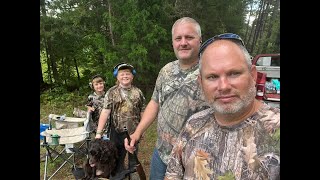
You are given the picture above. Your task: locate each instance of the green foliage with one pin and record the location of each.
(59, 96)
(79, 35)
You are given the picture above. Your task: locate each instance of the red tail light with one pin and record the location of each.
(260, 84)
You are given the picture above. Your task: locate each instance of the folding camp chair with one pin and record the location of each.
(67, 133)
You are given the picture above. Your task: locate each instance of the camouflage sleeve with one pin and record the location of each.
(266, 163)
(107, 103)
(270, 163)
(156, 91)
(175, 169)
(264, 166)
(143, 102)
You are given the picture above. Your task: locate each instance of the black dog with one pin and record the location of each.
(102, 160)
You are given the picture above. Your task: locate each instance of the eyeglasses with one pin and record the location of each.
(220, 36)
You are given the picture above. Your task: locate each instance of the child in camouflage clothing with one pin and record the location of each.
(94, 102)
(125, 104)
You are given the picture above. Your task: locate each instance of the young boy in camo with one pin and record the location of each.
(96, 99)
(125, 104)
(94, 102)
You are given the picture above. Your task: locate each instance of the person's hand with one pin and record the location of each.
(98, 136)
(90, 109)
(130, 147)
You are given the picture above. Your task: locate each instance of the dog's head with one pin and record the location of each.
(103, 155)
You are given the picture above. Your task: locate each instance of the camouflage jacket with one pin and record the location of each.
(246, 151)
(96, 102)
(179, 96)
(126, 105)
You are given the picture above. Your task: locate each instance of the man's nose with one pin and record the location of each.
(223, 83)
(183, 41)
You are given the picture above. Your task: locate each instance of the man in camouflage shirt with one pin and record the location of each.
(239, 136)
(176, 95)
(125, 104)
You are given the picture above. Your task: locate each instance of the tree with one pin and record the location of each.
(81, 38)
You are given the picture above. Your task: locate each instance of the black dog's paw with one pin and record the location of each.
(88, 171)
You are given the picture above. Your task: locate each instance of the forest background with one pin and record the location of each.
(81, 38)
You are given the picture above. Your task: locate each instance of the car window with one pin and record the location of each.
(268, 61)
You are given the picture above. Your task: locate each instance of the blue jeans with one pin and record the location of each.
(157, 167)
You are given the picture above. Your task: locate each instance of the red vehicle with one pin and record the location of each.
(268, 81)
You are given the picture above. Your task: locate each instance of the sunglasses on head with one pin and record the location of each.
(220, 36)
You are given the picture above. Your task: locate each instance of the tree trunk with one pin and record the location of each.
(41, 76)
(110, 24)
(48, 61)
(258, 26)
(248, 22)
(272, 19)
(78, 74)
(264, 18)
(54, 66)
(64, 71)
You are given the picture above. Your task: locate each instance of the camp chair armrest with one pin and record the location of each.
(68, 119)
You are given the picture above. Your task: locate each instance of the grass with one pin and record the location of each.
(57, 103)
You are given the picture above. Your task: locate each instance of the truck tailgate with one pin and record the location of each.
(271, 71)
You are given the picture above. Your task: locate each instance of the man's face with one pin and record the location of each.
(125, 77)
(186, 42)
(227, 82)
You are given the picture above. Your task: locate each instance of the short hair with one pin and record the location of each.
(96, 79)
(187, 20)
(245, 52)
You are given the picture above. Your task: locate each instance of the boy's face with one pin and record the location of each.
(125, 77)
(98, 86)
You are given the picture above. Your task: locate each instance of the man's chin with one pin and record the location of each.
(184, 56)
(126, 83)
(225, 108)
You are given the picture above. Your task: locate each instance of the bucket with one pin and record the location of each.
(55, 139)
(43, 127)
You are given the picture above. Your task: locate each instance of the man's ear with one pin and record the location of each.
(199, 80)
(253, 72)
